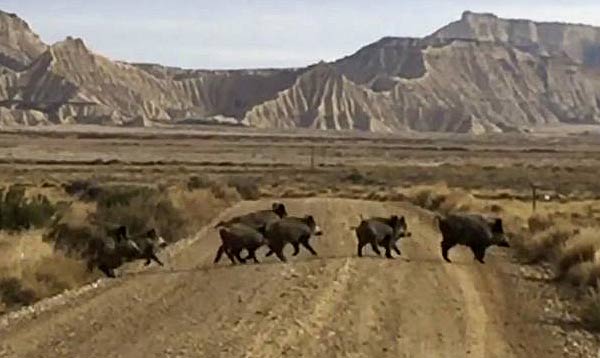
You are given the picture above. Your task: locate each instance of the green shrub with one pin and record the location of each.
(116, 195)
(590, 314)
(200, 182)
(247, 187)
(358, 178)
(17, 212)
(429, 200)
(139, 208)
(85, 189)
(14, 295)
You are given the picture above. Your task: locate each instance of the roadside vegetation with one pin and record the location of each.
(43, 237)
(561, 235)
(44, 228)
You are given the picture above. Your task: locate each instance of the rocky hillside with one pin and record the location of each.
(321, 98)
(19, 46)
(479, 74)
(580, 43)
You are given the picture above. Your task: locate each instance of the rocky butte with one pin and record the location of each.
(479, 74)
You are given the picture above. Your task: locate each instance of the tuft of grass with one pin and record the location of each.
(546, 245)
(31, 270)
(139, 208)
(199, 207)
(428, 199)
(85, 189)
(39, 264)
(247, 187)
(14, 295)
(539, 222)
(590, 313)
(200, 182)
(55, 274)
(581, 248)
(19, 212)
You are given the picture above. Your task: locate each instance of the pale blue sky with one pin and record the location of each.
(267, 33)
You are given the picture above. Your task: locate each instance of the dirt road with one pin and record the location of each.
(336, 305)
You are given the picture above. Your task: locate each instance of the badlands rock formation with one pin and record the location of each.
(477, 75)
(19, 46)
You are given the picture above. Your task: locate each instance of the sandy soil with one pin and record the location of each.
(335, 305)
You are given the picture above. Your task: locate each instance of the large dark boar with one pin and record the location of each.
(108, 253)
(149, 244)
(237, 237)
(472, 230)
(258, 219)
(383, 232)
(294, 230)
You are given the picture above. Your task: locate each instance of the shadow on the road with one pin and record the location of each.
(429, 260)
(225, 266)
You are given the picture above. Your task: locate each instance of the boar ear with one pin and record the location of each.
(122, 232)
(497, 225)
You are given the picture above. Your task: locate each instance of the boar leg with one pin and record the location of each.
(305, 243)
(446, 246)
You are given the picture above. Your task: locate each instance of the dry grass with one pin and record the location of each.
(545, 244)
(199, 206)
(590, 313)
(30, 270)
(488, 175)
(581, 248)
(538, 222)
(38, 264)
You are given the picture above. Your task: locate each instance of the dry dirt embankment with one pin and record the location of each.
(333, 305)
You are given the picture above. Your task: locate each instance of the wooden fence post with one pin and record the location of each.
(533, 197)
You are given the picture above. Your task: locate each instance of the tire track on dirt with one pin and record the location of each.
(334, 305)
(101, 302)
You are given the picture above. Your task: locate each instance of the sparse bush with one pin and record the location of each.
(580, 274)
(428, 199)
(590, 314)
(70, 238)
(225, 192)
(41, 273)
(547, 244)
(455, 201)
(495, 208)
(83, 188)
(139, 208)
(200, 182)
(580, 248)
(116, 195)
(539, 222)
(18, 212)
(355, 177)
(199, 207)
(14, 295)
(55, 274)
(358, 178)
(174, 213)
(247, 187)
